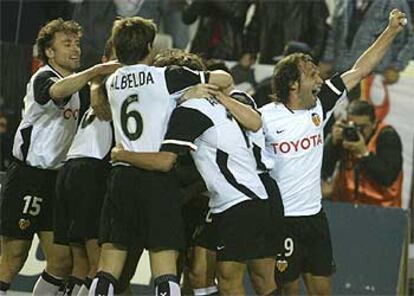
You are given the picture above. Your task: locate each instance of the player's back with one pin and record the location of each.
(141, 106)
(224, 159)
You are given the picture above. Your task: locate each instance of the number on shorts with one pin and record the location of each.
(289, 247)
(32, 205)
(209, 217)
(134, 115)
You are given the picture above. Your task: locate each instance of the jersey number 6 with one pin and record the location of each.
(131, 115)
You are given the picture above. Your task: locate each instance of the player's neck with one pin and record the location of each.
(146, 61)
(294, 102)
(62, 71)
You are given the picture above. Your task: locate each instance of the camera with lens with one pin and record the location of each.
(350, 132)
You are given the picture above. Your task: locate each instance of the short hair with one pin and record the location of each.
(287, 71)
(361, 108)
(131, 38)
(178, 57)
(46, 34)
(214, 64)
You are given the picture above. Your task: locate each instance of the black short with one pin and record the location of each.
(243, 232)
(205, 235)
(308, 248)
(142, 209)
(277, 210)
(80, 191)
(193, 216)
(26, 203)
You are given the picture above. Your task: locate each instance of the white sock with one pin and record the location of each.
(206, 291)
(2, 293)
(167, 285)
(103, 284)
(83, 291)
(47, 285)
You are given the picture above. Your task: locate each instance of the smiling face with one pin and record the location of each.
(310, 85)
(64, 52)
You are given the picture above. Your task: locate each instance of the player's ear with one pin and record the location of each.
(294, 86)
(49, 53)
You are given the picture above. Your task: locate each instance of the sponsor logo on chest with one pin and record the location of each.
(302, 144)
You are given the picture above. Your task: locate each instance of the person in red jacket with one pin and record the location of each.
(369, 153)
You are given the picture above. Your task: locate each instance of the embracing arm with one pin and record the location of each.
(73, 83)
(153, 161)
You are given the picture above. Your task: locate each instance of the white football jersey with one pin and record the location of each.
(295, 140)
(142, 98)
(94, 138)
(47, 129)
(264, 161)
(221, 152)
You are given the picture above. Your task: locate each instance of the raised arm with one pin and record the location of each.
(73, 83)
(373, 55)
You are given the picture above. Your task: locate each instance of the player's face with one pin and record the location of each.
(310, 85)
(66, 51)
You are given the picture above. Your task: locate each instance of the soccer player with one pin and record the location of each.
(41, 142)
(293, 127)
(239, 203)
(203, 266)
(80, 189)
(142, 209)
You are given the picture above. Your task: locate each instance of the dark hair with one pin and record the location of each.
(109, 49)
(178, 57)
(131, 37)
(214, 64)
(287, 71)
(361, 108)
(47, 32)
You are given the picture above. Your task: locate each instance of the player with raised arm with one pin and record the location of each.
(293, 127)
(142, 209)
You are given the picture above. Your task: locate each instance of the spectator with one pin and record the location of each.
(220, 31)
(165, 13)
(243, 73)
(96, 19)
(275, 23)
(355, 26)
(370, 159)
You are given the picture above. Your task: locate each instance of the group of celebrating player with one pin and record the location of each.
(164, 120)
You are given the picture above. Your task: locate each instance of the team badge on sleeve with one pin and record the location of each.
(316, 119)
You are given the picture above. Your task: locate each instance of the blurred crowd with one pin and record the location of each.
(333, 32)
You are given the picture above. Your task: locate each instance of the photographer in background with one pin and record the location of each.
(370, 159)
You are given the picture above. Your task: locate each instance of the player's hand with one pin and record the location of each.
(357, 148)
(208, 91)
(391, 75)
(106, 68)
(337, 130)
(397, 20)
(116, 152)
